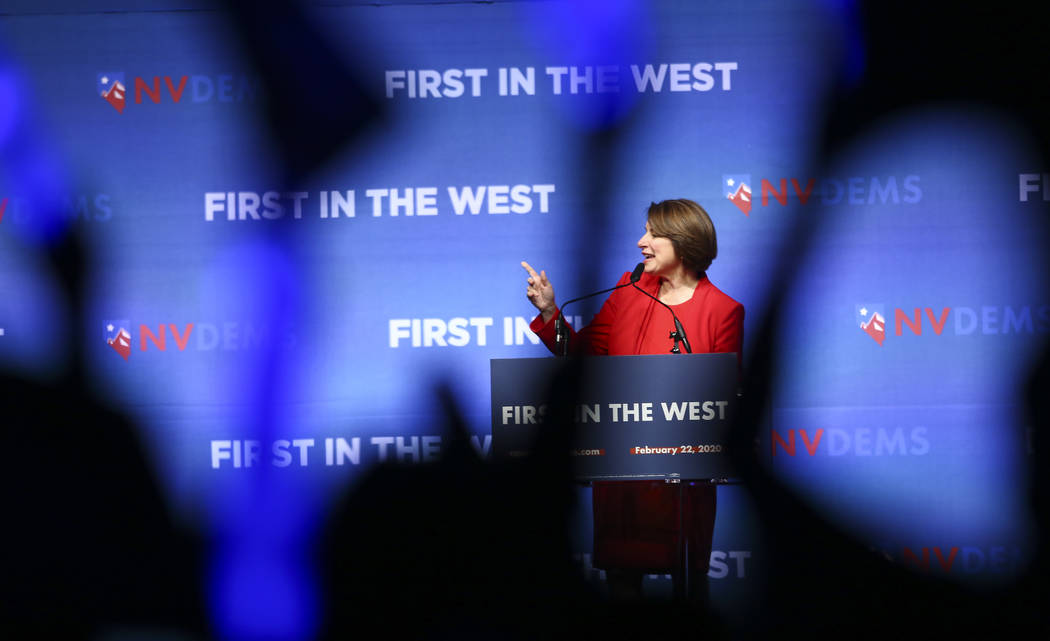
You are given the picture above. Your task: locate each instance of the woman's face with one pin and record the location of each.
(660, 257)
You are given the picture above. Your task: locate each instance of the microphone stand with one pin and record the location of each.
(681, 583)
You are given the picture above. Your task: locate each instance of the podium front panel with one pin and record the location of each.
(634, 417)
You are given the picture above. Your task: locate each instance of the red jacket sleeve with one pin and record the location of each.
(592, 339)
(729, 333)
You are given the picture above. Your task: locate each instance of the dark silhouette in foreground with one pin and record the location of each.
(465, 548)
(88, 543)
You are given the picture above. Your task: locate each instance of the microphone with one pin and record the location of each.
(679, 332)
(561, 334)
(636, 275)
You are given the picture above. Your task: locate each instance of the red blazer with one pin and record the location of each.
(632, 323)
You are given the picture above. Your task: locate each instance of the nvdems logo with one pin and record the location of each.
(986, 320)
(737, 188)
(850, 441)
(79, 207)
(197, 336)
(849, 190)
(175, 89)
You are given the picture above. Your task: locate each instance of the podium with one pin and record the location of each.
(645, 417)
(635, 417)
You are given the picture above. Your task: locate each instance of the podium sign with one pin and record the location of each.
(636, 417)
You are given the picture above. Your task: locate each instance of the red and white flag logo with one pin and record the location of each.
(737, 188)
(119, 339)
(872, 321)
(111, 86)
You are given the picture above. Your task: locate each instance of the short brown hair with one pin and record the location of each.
(690, 230)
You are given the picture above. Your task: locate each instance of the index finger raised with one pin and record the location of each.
(528, 268)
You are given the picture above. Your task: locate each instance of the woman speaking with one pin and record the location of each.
(635, 522)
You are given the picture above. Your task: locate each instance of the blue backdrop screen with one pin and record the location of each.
(251, 323)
